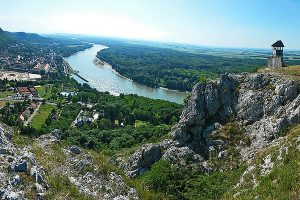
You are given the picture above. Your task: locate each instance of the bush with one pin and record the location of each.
(178, 183)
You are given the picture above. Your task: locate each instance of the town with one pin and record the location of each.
(33, 54)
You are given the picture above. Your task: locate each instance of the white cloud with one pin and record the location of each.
(94, 24)
(98, 24)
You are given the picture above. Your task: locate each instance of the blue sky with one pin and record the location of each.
(224, 23)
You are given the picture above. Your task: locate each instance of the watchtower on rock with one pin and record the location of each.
(276, 60)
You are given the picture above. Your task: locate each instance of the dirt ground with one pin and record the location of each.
(19, 76)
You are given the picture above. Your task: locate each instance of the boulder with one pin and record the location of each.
(142, 159)
(16, 180)
(181, 156)
(21, 166)
(250, 106)
(56, 133)
(36, 175)
(13, 196)
(10, 159)
(75, 149)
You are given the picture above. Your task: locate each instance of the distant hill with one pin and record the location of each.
(29, 37)
(35, 42)
(15, 37)
(5, 37)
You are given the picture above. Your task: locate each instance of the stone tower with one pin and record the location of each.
(276, 60)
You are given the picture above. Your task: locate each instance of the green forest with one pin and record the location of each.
(162, 67)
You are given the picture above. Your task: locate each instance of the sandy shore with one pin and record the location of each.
(101, 64)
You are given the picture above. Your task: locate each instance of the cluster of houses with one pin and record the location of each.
(67, 94)
(27, 92)
(41, 69)
(85, 117)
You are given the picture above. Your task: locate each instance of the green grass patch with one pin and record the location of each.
(5, 94)
(40, 117)
(139, 124)
(62, 188)
(44, 91)
(20, 140)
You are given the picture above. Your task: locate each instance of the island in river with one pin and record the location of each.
(101, 76)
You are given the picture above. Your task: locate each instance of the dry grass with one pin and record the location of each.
(293, 71)
(2, 103)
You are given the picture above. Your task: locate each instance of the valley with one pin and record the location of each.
(121, 135)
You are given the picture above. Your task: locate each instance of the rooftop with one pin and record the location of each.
(23, 90)
(278, 44)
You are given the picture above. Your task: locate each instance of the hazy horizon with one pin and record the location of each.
(214, 23)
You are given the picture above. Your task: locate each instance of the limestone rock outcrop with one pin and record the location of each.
(262, 104)
(140, 161)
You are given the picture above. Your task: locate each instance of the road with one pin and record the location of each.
(16, 98)
(33, 114)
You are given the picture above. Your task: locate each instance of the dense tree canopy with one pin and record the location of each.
(162, 67)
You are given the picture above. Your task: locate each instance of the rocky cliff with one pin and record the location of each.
(246, 112)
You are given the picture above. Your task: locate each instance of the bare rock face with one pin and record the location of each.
(182, 156)
(92, 183)
(263, 105)
(142, 159)
(75, 149)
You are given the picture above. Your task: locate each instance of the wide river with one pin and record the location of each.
(104, 78)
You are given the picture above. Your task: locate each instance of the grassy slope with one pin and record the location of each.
(283, 180)
(293, 71)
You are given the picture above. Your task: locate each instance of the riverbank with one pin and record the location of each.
(101, 64)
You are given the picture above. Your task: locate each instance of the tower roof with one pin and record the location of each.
(278, 44)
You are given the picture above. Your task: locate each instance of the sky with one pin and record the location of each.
(221, 23)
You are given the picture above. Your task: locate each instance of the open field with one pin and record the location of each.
(39, 119)
(44, 91)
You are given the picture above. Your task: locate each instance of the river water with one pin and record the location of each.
(104, 78)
